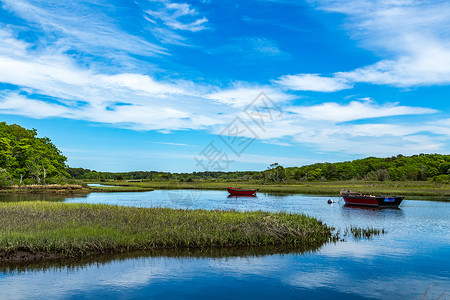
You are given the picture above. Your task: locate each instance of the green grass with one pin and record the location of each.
(115, 189)
(45, 188)
(74, 230)
(403, 188)
(359, 232)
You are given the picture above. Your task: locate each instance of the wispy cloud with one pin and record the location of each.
(178, 16)
(261, 45)
(242, 94)
(312, 82)
(141, 102)
(250, 48)
(76, 25)
(356, 110)
(412, 35)
(50, 82)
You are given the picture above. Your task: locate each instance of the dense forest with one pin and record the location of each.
(434, 167)
(26, 158)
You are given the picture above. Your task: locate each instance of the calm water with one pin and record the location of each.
(411, 261)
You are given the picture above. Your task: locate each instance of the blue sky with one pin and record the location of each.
(159, 85)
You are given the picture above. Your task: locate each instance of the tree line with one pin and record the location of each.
(395, 168)
(434, 167)
(26, 158)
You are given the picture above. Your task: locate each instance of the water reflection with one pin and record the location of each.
(17, 197)
(241, 197)
(310, 275)
(99, 260)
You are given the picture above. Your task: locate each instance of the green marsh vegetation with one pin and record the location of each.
(355, 232)
(359, 232)
(44, 230)
(116, 189)
(45, 189)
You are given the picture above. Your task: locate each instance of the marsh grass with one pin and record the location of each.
(115, 189)
(359, 232)
(74, 230)
(45, 188)
(402, 188)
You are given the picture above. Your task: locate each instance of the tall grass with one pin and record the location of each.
(71, 230)
(45, 188)
(115, 189)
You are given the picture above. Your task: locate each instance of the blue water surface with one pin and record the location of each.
(410, 261)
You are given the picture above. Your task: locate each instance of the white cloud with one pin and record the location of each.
(412, 36)
(49, 83)
(356, 110)
(248, 48)
(261, 45)
(16, 104)
(78, 26)
(313, 82)
(174, 16)
(242, 94)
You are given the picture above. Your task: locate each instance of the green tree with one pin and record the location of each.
(24, 155)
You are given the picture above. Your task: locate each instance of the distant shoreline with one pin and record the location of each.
(46, 188)
(329, 188)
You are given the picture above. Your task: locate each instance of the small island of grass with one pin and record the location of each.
(46, 230)
(119, 188)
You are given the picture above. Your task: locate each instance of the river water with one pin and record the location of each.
(410, 261)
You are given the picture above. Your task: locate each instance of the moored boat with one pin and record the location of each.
(352, 198)
(241, 192)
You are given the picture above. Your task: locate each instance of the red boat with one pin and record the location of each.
(352, 198)
(241, 192)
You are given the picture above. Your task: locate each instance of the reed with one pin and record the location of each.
(359, 232)
(45, 188)
(50, 229)
(115, 189)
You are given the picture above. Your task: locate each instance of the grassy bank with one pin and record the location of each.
(116, 189)
(405, 188)
(44, 230)
(45, 188)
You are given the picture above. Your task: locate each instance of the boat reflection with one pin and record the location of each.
(369, 208)
(241, 196)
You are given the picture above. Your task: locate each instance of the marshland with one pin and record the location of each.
(52, 229)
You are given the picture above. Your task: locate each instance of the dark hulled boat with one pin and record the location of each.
(352, 198)
(241, 192)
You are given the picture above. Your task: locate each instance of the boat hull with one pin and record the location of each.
(240, 192)
(379, 201)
